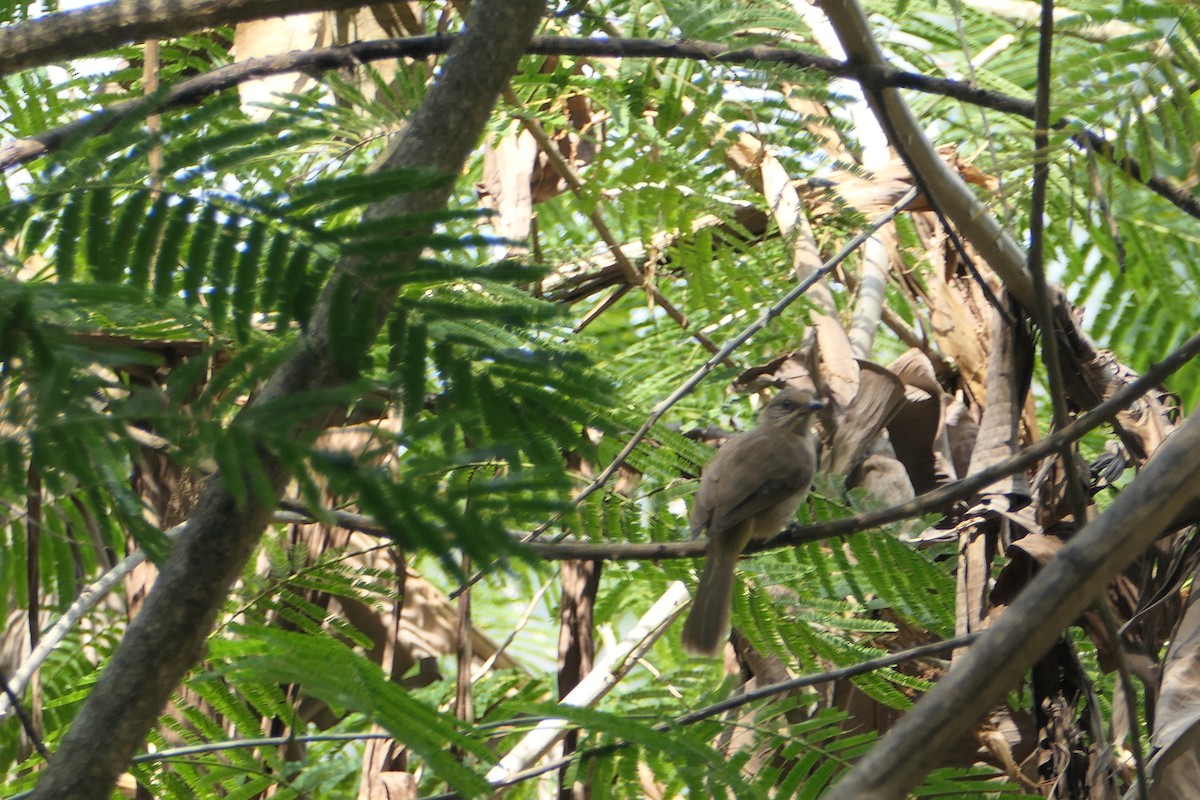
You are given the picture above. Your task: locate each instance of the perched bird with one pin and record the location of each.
(750, 490)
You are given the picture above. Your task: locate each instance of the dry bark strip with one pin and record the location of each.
(169, 635)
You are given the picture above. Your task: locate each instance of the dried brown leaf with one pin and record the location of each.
(506, 186)
(880, 395)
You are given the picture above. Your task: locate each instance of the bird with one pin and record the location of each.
(750, 489)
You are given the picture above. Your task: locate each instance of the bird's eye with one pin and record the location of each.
(787, 405)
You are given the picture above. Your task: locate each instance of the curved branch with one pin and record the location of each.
(191, 91)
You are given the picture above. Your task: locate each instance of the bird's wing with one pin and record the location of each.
(701, 516)
(757, 472)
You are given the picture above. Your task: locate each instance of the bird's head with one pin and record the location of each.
(792, 409)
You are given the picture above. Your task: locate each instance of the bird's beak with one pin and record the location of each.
(815, 405)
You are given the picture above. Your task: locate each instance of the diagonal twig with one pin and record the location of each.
(926, 503)
(633, 275)
(737, 341)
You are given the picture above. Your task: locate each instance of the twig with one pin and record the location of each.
(613, 664)
(708, 366)
(799, 534)
(737, 341)
(26, 722)
(633, 275)
(794, 534)
(1035, 260)
(84, 603)
(1129, 693)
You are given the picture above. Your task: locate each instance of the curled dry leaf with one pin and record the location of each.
(917, 430)
(1174, 767)
(880, 395)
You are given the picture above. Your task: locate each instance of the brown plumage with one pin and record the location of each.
(750, 490)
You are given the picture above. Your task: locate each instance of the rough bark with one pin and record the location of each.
(168, 637)
(57, 38)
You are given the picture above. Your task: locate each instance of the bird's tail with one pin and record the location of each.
(707, 625)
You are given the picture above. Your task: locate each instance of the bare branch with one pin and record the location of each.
(1063, 590)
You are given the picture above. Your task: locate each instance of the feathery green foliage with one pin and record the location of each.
(140, 312)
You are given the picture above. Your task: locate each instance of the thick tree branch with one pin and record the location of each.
(1063, 590)
(1084, 567)
(56, 38)
(168, 636)
(1088, 377)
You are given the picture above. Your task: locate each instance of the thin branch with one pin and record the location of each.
(614, 663)
(1045, 319)
(839, 674)
(246, 744)
(633, 275)
(83, 603)
(295, 511)
(926, 503)
(731, 703)
(193, 90)
(708, 366)
(1035, 260)
(1128, 694)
